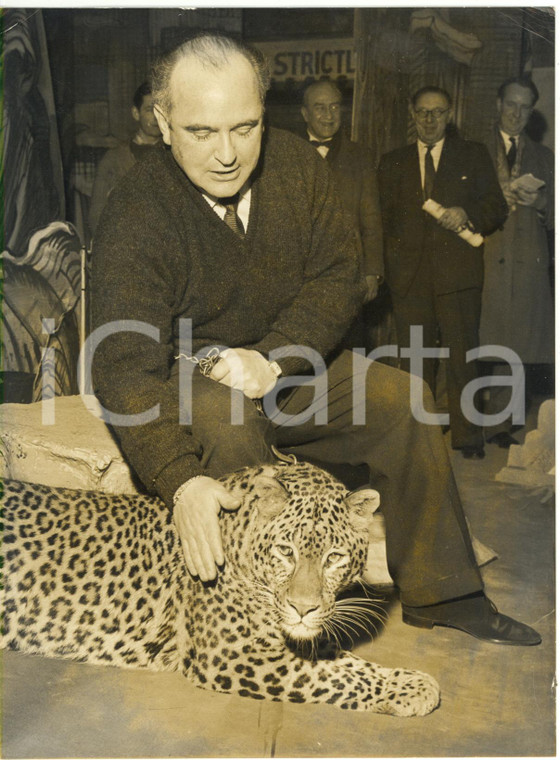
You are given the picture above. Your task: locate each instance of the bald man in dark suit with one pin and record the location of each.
(355, 177)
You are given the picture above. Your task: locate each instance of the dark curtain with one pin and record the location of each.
(468, 51)
(31, 165)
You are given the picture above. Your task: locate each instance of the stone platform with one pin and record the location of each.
(77, 451)
(532, 464)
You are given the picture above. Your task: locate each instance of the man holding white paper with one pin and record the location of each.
(517, 306)
(434, 274)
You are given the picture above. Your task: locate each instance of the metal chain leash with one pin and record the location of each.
(205, 363)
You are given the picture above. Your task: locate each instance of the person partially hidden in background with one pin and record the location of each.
(117, 161)
(517, 303)
(355, 179)
(435, 276)
(230, 248)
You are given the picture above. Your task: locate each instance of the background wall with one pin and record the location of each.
(378, 56)
(69, 76)
(467, 51)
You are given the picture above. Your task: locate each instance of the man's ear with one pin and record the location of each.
(135, 113)
(305, 114)
(163, 124)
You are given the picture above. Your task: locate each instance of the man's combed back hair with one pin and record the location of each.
(429, 90)
(140, 94)
(210, 49)
(522, 81)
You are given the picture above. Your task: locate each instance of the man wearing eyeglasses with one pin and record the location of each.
(354, 172)
(435, 276)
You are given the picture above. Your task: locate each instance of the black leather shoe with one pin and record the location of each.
(475, 615)
(472, 452)
(503, 439)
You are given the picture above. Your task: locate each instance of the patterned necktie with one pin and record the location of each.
(231, 218)
(429, 173)
(512, 153)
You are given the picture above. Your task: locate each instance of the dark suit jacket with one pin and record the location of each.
(466, 178)
(356, 183)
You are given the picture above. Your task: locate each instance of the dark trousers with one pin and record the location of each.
(450, 320)
(428, 545)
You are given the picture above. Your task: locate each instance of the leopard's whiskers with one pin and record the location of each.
(358, 604)
(330, 627)
(352, 624)
(366, 622)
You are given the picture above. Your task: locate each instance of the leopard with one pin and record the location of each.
(100, 578)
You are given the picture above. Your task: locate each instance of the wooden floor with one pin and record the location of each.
(496, 701)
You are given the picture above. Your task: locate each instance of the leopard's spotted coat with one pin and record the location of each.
(101, 578)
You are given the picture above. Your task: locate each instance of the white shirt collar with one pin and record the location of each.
(436, 154)
(436, 148)
(322, 150)
(319, 139)
(507, 140)
(243, 205)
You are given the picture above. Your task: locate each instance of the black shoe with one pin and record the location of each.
(475, 615)
(503, 439)
(472, 452)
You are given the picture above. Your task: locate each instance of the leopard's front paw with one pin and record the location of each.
(407, 693)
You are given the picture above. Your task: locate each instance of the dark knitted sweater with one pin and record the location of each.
(162, 254)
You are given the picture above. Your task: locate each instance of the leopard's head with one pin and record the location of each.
(304, 538)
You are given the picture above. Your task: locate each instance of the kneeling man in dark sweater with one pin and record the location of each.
(229, 249)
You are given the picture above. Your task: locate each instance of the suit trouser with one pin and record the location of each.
(428, 544)
(501, 397)
(452, 320)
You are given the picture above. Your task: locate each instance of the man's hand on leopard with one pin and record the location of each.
(196, 518)
(245, 370)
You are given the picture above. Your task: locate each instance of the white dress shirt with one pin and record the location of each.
(243, 206)
(507, 140)
(322, 150)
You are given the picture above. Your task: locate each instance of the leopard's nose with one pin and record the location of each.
(302, 606)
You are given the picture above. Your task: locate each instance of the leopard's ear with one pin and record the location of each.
(362, 505)
(272, 495)
(260, 487)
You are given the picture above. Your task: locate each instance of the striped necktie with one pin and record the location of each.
(231, 218)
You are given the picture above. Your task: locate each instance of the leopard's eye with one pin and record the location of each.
(333, 558)
(285, 550)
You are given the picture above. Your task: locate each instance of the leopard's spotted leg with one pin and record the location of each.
(348, 681)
